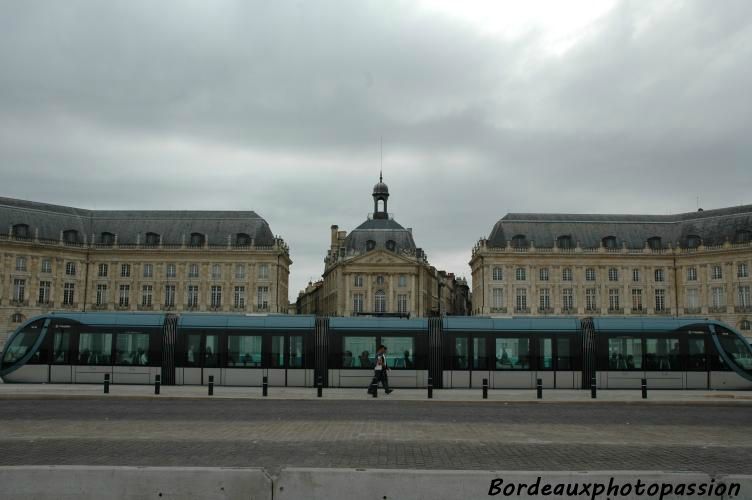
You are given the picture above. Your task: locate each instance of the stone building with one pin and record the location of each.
(377, 269)
(691, 264)
(61, 258)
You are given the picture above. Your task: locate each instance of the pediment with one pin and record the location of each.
(380, 257)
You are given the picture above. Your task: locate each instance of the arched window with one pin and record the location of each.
(564, 242)
(693, 241)
(242, 240)
(519, 241)
(498, 274)
(70, 236)
(21, 231)
(391, 245)
(106, 238)
(197, 240)
(17, 318)
(152, 239)
(370, 245)
(743, 236)
(609, 242)
(745, 325)
(380, 302)
(655, 243)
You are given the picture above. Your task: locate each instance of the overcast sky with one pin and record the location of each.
(484, 108)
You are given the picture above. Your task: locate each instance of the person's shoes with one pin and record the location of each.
(388, 391)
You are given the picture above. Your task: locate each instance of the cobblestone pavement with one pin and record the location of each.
(386, 434)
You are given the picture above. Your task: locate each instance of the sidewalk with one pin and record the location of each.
(561, 396)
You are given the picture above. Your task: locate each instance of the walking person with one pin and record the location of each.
(380, 372)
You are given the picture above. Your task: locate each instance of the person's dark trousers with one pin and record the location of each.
(379, 376)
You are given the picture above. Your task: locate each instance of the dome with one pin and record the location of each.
(380, 188)
(384, 234)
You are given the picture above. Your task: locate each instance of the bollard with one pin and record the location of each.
(485, 388)
(157, 383)
(319, 387)
(592, 388)
(211, 385)
(644, 388)
(265, 386)
(430, 388)
(539, 387)
(106, 383)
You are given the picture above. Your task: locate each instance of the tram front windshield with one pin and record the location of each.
(21, 343)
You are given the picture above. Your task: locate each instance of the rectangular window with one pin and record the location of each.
(613, 274)
(44, 292)
(70, 268)
(635, 275)
(46, 266)
(498, 274)
(192, 295)
(101, 298)
(521, 303)
(244, 350)
(402, 282)
(132, 348)
(613, 299)
(358, 352)
(512, 353)
(169, 296)
(262, 298)
(125, 270)
(660, 300)
(68, 293)
(624, 353)
(544, 299)
(498, 298)
(741, 270)
(480, 360)
(691, 274)
(460, 359)
(693, 298)
(543, 274)
(662, 354)
(240, 271)
(660, 275)
(566, 274)
(744, 296)
(696, 359)
(263, 271)
(216, 296)
(278, 351)
(590, 302)
(295, 355)
(193, 271)
(148, 270)
(400, 352)
(61, 348)
(568, 299)
(589, 274)
(211, 351)
(402, 303)
(520, 274)
(102, 270)
(719, 298)
(20, 263)
(146, 295)
(124, 299)
(637, 299)
(95, 349)
(171, 270)
(563, 354)
(545, 354)
(238, 300)
(358, 302)
(358, 280)
(717, 272)
(216, 271)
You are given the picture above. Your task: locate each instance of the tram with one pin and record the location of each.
(453, 352)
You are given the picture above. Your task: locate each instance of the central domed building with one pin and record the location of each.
(377, 269)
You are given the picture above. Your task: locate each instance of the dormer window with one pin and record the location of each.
(519, 241)
(391, 245)
(370, 245)
(743, 236)
(21, 231)
(609, 242)
(564, 242)
(655, 243)
(152, 239)
(197, 240)
(107, 238)
(242, 240)
(693, 241)
(70, 236)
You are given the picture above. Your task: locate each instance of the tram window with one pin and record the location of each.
(460, 360)
(243, 350)
(295, 359)
(400, 352)
(735, 348)
(512, 353)
(545, 354)
(21, 344)
(278, 351)
(211, 351)
(359, 352)
(563, 355)
(61, 348)
(480, 360)
(662, 354)
(132, 348)
(624, 353)
(95, 349)
(192, 356)
(697, 359)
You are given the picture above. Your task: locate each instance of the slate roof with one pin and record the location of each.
(49, 220)
(714, 227)
(380, 231)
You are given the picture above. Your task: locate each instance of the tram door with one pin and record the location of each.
(211, 365)
(697, 373)
(458, 374)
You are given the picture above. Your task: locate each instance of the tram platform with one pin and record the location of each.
(557, 396)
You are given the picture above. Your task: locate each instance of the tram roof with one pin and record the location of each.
(509, 324)
(213, 320)
(365, 323)
(644, 324)
(113, 319)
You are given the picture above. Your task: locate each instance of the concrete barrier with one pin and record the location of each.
(385, 484)
(121, 483)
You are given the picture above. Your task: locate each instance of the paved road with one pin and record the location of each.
(381, 433)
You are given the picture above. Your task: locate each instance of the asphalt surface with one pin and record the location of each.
(378, 433)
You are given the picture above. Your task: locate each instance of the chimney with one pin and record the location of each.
(334, 235)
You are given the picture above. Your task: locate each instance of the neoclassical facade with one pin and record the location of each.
(63, 258)
(692, 264)
(377, 269)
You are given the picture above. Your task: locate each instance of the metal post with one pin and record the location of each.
(211, 385)
(485, 388)
(592, 388)
(106, 383)
(539, 387)
(157, 383)
(265, 386)
(430, 388)
(319, 387)
(644, 388)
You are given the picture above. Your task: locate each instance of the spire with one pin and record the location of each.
(381, 177)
